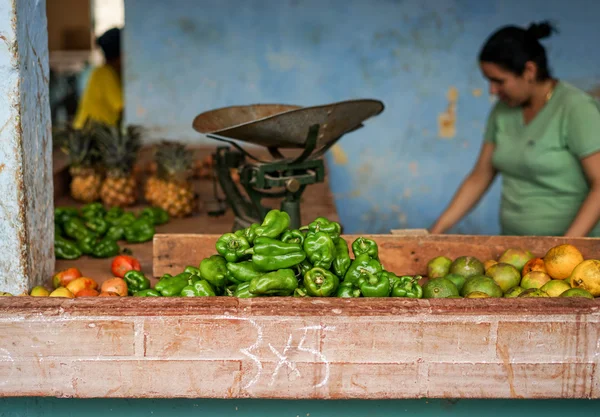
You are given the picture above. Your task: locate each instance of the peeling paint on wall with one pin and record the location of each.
(339, 155)
(447, 119)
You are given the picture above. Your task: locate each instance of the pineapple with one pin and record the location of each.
(119, 151)
(154, 185)
(81, 149)
(172, 189)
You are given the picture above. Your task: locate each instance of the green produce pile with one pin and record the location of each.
(95, 231)
(270, 259)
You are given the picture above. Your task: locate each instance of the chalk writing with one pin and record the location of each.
(258, 356)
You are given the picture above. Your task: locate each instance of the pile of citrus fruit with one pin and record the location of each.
(561, 272)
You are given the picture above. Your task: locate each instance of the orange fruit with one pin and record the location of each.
(62, 292)
(561, 260)
(116, 285)
(535, 264)
(39, 291)
(586, 275)
(108, 294)
(516, 257)
(487, 264)
(86, 292)
(535, 280)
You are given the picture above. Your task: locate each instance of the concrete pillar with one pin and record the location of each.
(26, 189)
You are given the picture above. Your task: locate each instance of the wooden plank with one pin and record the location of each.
(286, 347)
(410, 232)
(400, 254)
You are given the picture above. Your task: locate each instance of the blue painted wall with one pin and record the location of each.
(397, 172)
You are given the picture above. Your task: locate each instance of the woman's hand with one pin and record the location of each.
(589, 213)
(470, 192)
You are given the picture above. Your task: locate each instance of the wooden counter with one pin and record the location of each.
(283, 347)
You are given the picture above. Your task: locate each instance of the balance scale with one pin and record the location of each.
(306, 132)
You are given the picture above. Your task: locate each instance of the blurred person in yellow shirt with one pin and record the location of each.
(102, 100)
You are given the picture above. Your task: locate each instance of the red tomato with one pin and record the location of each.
(124, 263)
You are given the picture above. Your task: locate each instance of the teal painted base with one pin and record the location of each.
(53, 407)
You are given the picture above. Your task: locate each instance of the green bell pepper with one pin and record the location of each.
(242, 272)
(147, 293)
(272, 254)
(155, 215)
(301, 292)
(169, 286)
(374, 285)
(87, 245)
(65, 249)
(322, 224)
(303, 267)
(97, 225)
(320, 283)
(57, 229)
(293, 236)
(115, 233)
(105, 248)
(113, 214)
(62, 214)
(407, 286)
(320, 249)
(249, 232)
(124, 220)
(392, 278)
(201, 288)
(76, 229)
(214, 270)
(362, 263)
(193, 270)
(342, 260)
(136, 281)
(282, 282)
(139, 231)
(348, 290)
(274, 224)
(363, 245)
(232, 247)
(242, 291)
(92, 211)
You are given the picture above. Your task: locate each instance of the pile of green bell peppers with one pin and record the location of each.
(270, 259)
(94, 231)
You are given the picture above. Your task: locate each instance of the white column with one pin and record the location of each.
(26, 189)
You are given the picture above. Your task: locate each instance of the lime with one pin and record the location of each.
(505, 275)
(577, 292)
(438, 267)
(555, 287)
(513, 292)
(481, 283)
(439, 288)
(457, 280)
(533, 293)
(467, 266)
(477, 294)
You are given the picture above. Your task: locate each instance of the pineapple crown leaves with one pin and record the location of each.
(174, 161)
(79, 145)
(118, 146)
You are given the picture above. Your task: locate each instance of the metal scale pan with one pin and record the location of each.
(281, 126)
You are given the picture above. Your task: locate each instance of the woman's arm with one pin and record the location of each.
(589, 213)
(470, 192)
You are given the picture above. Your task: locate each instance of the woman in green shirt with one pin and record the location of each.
(543, 137)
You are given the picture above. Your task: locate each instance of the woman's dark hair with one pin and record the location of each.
(511, 47)
(110, 43)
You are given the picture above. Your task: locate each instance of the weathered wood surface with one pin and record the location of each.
(402, 254)
(299, 348)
